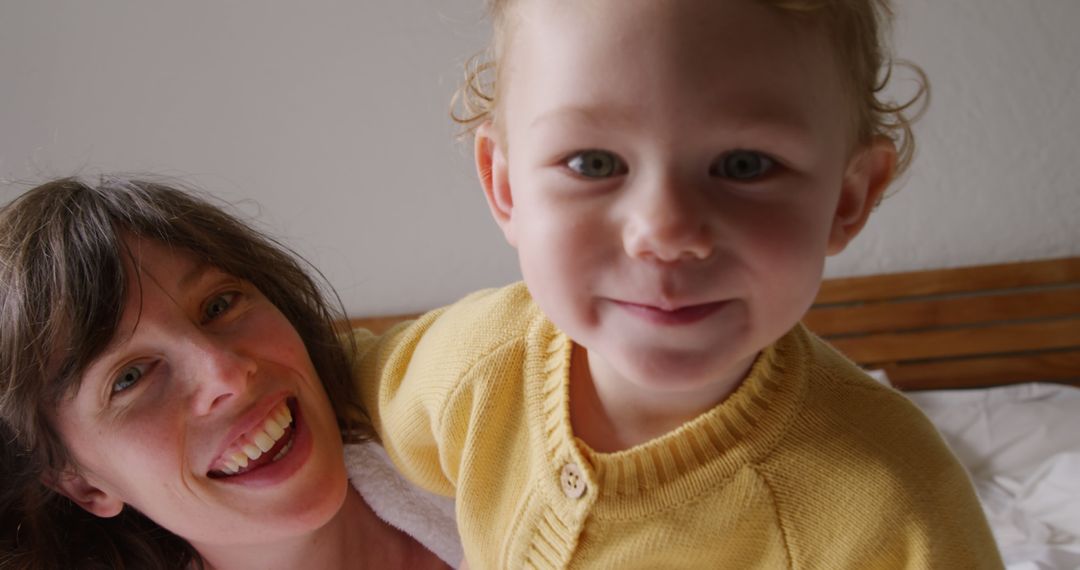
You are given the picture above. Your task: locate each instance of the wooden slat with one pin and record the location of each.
(895, 347)
(1062, 366)
(907, 315)
(379, 324)
(941, 281)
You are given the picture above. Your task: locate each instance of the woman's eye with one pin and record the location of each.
(742, 165)
(218, 305)
(595, 164)
(128, 377)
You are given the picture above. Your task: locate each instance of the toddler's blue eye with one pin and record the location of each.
(218, 305)
(127, 378)
(595, 164)
(742, 165)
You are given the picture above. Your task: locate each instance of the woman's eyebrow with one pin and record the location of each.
(190, 278)
(196, 274)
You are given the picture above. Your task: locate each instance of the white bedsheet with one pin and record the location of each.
(1021, 445)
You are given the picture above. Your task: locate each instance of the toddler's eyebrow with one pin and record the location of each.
(785, 130)
(764, 118)
(606, 116)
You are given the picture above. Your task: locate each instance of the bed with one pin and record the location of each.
(992, 355)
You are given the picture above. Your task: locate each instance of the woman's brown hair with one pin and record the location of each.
(62, 292)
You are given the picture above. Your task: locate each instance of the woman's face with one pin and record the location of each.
(185, 415)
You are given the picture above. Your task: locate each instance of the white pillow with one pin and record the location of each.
(1008, 429)
(1021, 445)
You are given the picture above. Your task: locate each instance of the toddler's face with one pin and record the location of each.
(673, 175)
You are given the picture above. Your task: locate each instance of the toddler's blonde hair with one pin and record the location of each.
(858, 30)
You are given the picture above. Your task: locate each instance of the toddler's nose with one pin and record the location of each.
(668, 225)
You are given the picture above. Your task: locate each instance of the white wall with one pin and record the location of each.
(327, 121)
(997, 177)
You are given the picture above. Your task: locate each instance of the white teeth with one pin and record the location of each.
(251, 451)
(261, 441)
(231, 466)
(283, 416)
(239, 458)
(274, 429)
(283, 451)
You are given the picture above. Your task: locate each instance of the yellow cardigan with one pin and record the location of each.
(809, 464)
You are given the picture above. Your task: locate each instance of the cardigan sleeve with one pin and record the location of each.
(405, 403)
(427, 383)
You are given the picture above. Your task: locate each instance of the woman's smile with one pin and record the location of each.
(281, 458)
(259, 444)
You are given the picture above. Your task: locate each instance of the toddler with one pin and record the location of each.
(673, 174)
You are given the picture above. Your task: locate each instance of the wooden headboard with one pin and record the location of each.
(947, 328)
(959, 328)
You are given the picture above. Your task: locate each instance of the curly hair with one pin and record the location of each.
(62, 293)
(858, 30)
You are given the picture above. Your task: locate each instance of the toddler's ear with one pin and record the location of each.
(868, 175)
(494, 176)
(81, 492)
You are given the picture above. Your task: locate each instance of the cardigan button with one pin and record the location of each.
(573, 482)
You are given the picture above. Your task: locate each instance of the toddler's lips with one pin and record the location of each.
(672, 317)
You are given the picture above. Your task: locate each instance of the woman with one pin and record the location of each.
(172, 393)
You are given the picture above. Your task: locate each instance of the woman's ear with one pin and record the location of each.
(81, 492)
(868, 175)
(494, 175)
